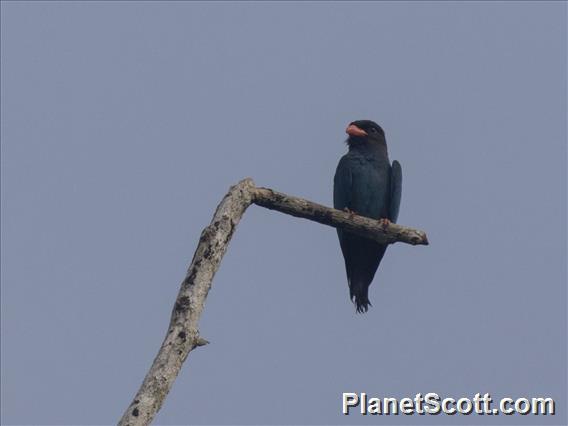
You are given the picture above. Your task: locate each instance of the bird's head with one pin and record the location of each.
(364, 132)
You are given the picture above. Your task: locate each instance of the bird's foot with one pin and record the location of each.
(351, 212)
(384, 222)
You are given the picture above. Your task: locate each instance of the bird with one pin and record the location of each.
(366, 184)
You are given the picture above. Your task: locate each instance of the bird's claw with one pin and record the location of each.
(349, 211)
(384, 222)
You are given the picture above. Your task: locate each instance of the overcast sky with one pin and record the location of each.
(123, 125)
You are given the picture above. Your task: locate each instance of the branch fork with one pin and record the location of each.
(183, 335)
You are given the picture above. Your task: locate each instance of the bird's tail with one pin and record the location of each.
(362, 258)
(359, 294)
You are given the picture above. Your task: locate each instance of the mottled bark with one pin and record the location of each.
(183, 334)
(380, 231)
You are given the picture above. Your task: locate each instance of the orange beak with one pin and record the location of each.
(353, 130)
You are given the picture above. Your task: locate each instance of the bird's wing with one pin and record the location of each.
(396, 190)
(342, 184)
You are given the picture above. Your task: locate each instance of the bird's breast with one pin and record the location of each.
(370, 188)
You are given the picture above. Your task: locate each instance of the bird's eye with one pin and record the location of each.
(373, 130)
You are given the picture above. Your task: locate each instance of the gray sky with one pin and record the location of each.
(123, 124)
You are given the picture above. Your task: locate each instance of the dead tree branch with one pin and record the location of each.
(370, 228)
(183, 335)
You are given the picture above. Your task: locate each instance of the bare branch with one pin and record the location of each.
(183, 335)
(369, 228)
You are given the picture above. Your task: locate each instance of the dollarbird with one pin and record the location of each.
(366, 184)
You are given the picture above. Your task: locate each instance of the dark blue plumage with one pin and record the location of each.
(365, 183)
